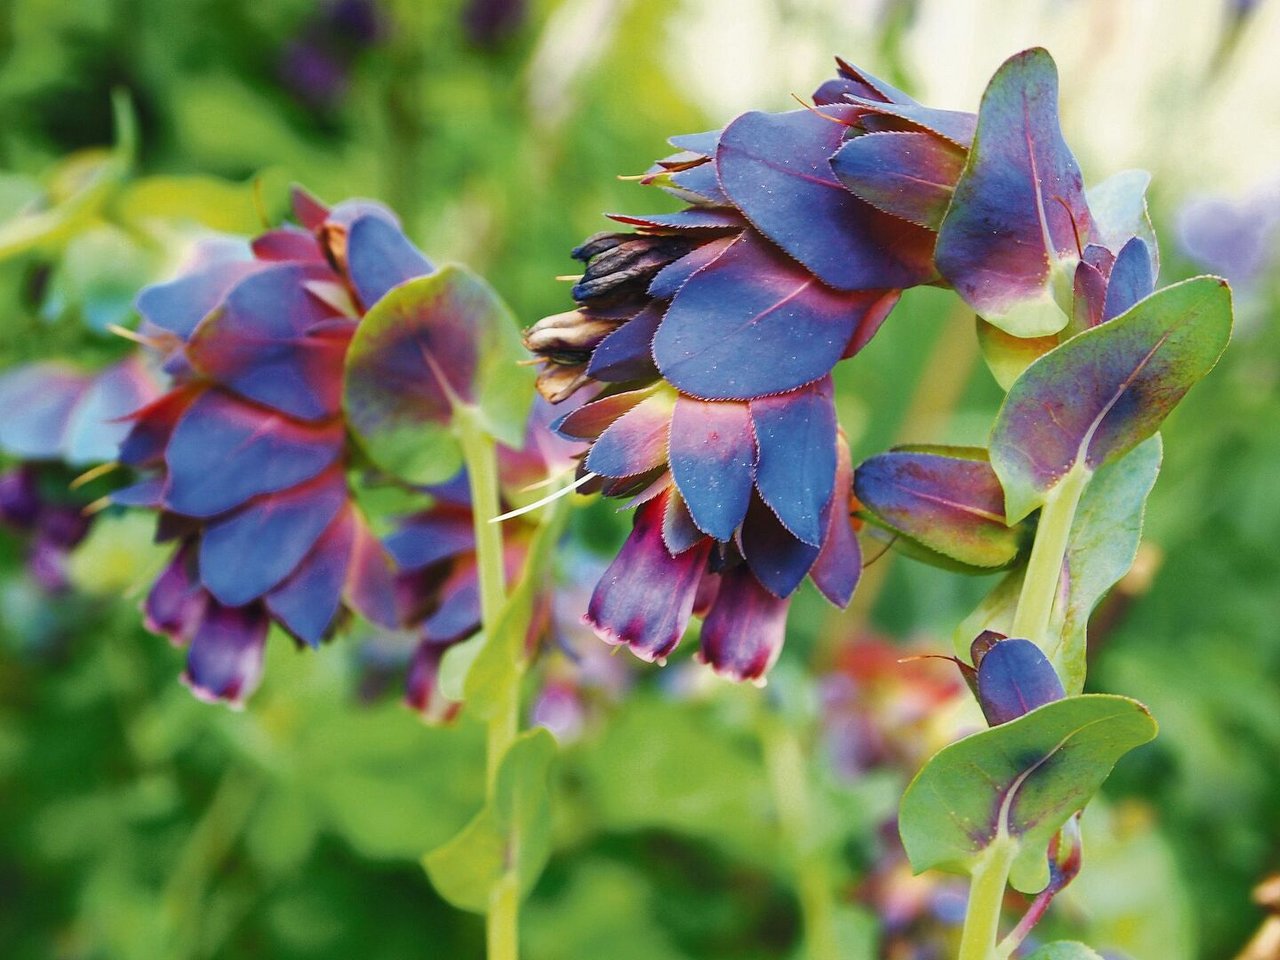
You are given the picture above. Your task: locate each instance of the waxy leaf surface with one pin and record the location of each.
(796, 464)
(429, 346)
(1018, 783)
(1103, 392)
(775, 168)
(1015, 677)
(712, 462)
(1019, 215)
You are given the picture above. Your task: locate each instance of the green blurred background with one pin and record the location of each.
(139, 823)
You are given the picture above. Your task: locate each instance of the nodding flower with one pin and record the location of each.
(708, 337)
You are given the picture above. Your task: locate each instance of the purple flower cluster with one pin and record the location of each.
(711, 334)
(246, 456)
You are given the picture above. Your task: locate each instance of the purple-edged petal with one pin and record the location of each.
(145, 493)
(646, 596)
(1088, 295)
(703, 144)
(692, 218)
(712, 455)
(627, 353)
(778, 559)
(180, 304)
(1014, 678)
(1019, 211)
(954, 125)
(839, 565)
(636, 442)
(796, 467)
(153, 425)
(698, 185)
(908, 175)
(251, 551)
(753, 322)
(438, 534)
(225, 659)
(36, 403)
(667, 282)
(287, 243)
(177, 601)
(458, 614)
(952, 504)
(743, 632)
(260, 344)
(225, 451)
(97, 426)
(679, 532)
(370, 589)
(308, 600)
(869, 323)
(776, 169)
(1130, 280)
(592, 419)
(379, 257)
(309, 210)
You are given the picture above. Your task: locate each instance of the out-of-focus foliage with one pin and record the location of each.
(139, 823)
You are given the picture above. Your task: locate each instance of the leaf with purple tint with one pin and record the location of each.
(36, 403)
(1015, 677)
(679, 532)
(176, 601)
(645, 598)
(1119, 209)
(1130, 279)
(778, 560)
(224, 662)
(796, 465)
(1100, 394)
(743, 632)
(308, 599)
(234, 565)
(636, 442)
(370, 589)
(180, 304)
(704, 144)
(379, 257)
(955, 126)
(430, 346)
(908, 175)
(1018, 219)
(776, 169)
(592, 419)
(286, 243)
(666, 283)
(753, 323)
(1017, 784)
(97, 425)
(691, 218)
(260, 343)
(152, 425)
(712, 456)
(949, 500)
(1088, 298)
(627, 353)
(839, 565)
(225, 451)
(438, 534)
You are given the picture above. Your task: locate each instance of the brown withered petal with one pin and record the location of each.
(557, 382)
(567, 337)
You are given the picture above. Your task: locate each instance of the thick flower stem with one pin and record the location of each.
(789, 778)
(986, 896)
(502, 921)
(1044, 569)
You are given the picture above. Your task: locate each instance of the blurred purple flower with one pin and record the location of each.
(488, 22)
(1239, 240)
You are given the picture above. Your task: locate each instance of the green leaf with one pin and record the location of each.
(1100, 394)
(1018, 783)
(1104, 542)
(511, 833)
(428, 348)
(1064, 950)
(994, 612)
(1119, 208)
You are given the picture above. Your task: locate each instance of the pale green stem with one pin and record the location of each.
(789, 780)
(986, 897)
(502, 923)
(1044, 569)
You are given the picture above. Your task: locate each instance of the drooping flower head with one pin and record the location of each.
(712, 333)
(246, 454)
